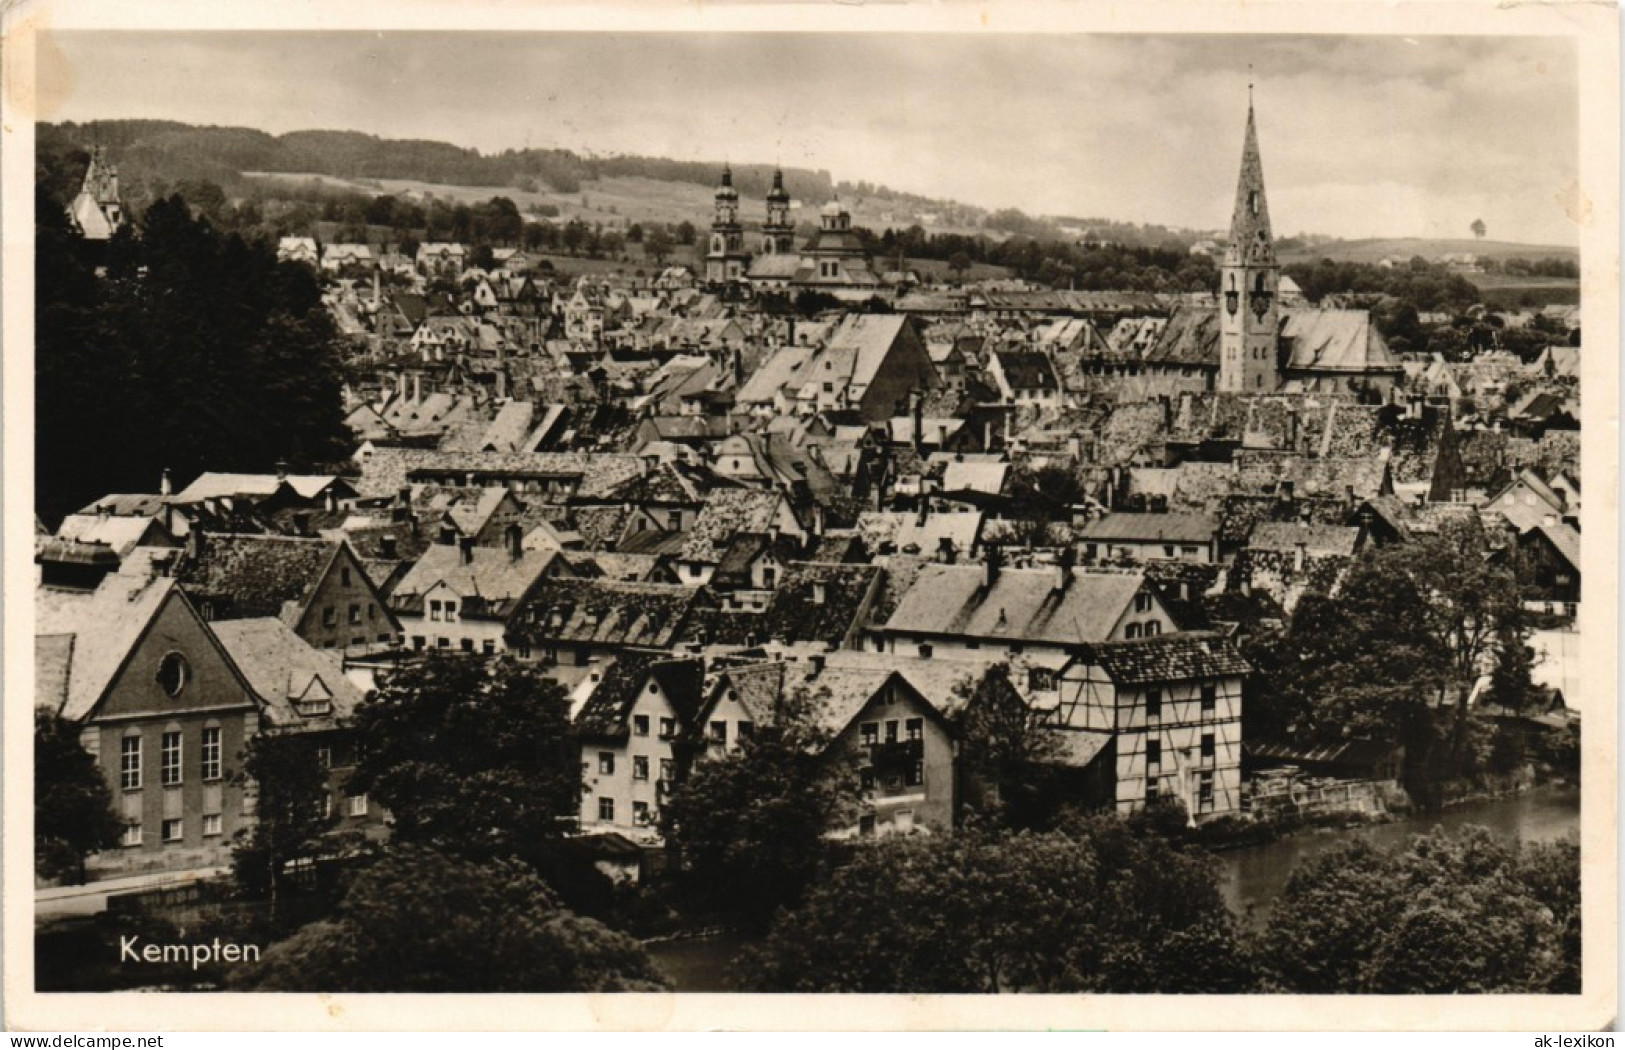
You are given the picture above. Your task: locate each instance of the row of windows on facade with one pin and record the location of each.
(641, 813)
(170, 768)
(1209, 695)
(169, 758)
(1184, 550)
(488, 646)
(173, 829)
(869, 732)
(1153, 750)
(1204, 790)
(640, 767)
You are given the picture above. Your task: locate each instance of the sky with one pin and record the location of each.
(1361, 136)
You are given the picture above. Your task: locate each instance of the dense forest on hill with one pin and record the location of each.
(155, 149)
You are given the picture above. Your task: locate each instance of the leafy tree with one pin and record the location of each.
(1511, 683)
(747, 832)
(1007, 745)
(292, 810)
(657, 244)
(1479, 229)
(686, 232)
(73, 808)
(810, 302)
(1446, 914)
(219, 356)
(959, 263)
(1105, 906)
(420, 921)
(469, 757)
(1392, 655)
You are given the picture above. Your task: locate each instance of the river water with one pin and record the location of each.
(1250, 879)
(1253, 877)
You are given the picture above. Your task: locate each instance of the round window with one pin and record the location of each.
(173, 673)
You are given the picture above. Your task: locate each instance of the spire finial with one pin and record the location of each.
(1249, 85)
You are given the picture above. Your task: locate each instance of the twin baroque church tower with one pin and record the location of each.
(727, 258)
(1249, 279)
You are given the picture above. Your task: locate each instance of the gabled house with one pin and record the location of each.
(1144, 537)
(337, 258)
(887, 722)
(305, 690)
(1157, 718)
(1550, 568)
(441, 259)
(870, 365)
(298, 250)
(318, 587)
(629, 716)
(816, 606)
(1527, 501)
(726, 513)
(463, 597)
(162, 707)
(978, 612)
(1025, 377)
(751, 568)
(119, 533)
(1287, 560)
(568, 624)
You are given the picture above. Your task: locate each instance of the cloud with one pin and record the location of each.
(1354, 130)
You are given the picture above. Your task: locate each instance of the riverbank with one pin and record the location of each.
(1252, 877)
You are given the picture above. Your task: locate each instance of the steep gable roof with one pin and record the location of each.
(1167, 658)
(607, 710)
(1020, 605)
(283, 669)
(252, 575)
(604, 612)
(490, 574)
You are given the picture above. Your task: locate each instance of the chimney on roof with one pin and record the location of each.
(992, 562)
(924, 509)
(816, 660)
(301, 523)
(282, 470)
(166, 487)
(946, 551)
(332, 501)
(514, 538)
(818, 519)
(448, 535)
(1298, 556)
(465, 547)
(386, 546)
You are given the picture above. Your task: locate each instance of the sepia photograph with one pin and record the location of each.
(696, 505)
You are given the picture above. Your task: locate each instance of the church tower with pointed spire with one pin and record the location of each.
(727, 259)
(778, 233)
(1249, 277)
